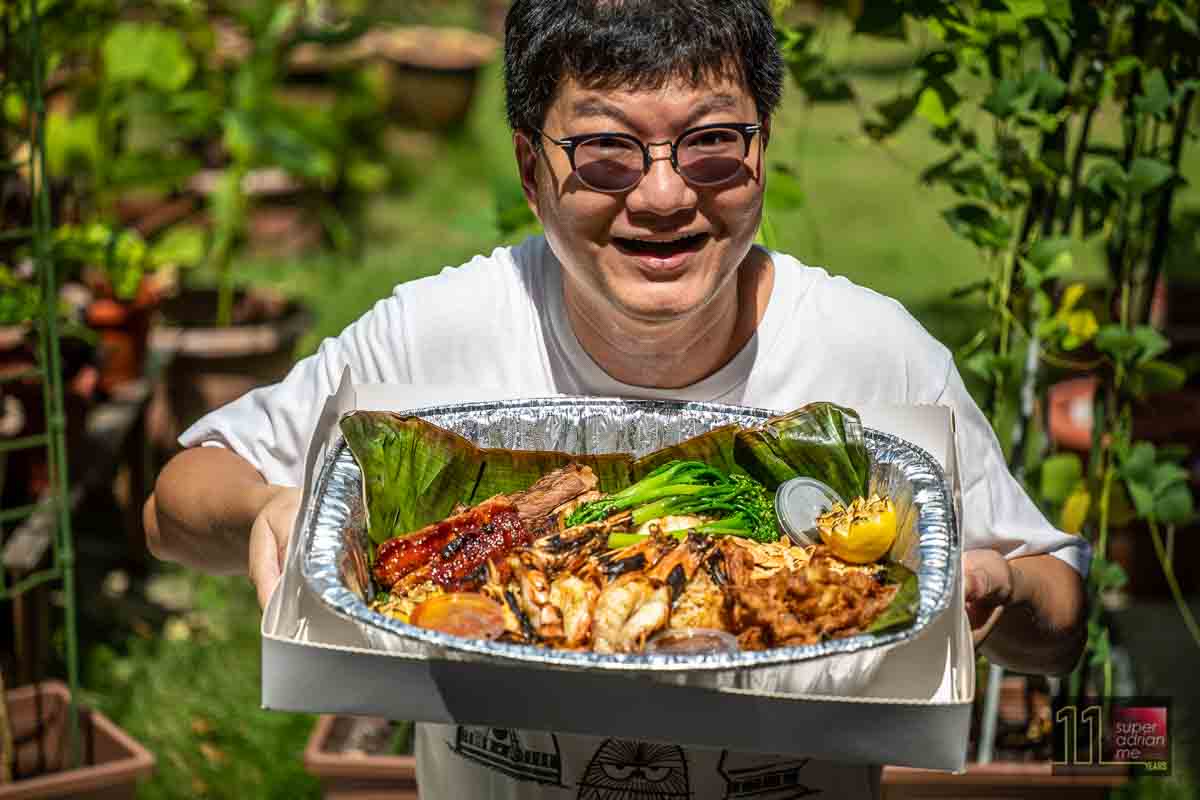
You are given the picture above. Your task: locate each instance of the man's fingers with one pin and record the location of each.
(264, 561)
(980, 631)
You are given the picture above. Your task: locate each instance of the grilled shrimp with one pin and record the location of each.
(636, 557)
(628, 610)
(678, 566)
(535, 601)
(575, 598)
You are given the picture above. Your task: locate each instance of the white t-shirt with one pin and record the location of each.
(499, 321)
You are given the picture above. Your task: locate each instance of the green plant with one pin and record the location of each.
(1015, 95)
(336, 150)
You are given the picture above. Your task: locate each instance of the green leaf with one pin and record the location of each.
(903, 608)
(1137, 463)
(978, 224)
(182, 245)
(1175, 504)
(1048, 89)
(147, 52)
(1155, 98)
(415, 473)
(1150, 342)
(1147, 174)
(1061, 473)
(1052, 257)
(1166, 475)
(1108, 575)
(1003, 99)
(1143, 499)
(1026, 9)
(1159, 376)
(936, 103)
(820, 440)
(1118, 342)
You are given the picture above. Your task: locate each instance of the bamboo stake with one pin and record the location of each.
(7, 755)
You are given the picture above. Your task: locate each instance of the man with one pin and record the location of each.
(640, 132)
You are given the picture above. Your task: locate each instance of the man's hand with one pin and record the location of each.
(269, 538)
(989, 589)
(1025, 613)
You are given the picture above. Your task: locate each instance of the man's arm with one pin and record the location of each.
(1031, 611)
(212, 510)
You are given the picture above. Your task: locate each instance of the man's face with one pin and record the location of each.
(662, 250)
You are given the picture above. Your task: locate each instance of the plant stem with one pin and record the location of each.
(1162, 223)
(1169, 573)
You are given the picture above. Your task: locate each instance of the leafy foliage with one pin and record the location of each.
(1009, 91)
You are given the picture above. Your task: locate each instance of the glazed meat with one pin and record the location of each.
(454, 552)
(552, 491)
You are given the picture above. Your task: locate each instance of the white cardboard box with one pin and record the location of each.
(915, 712)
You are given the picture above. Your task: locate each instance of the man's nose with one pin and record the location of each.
(662, 191)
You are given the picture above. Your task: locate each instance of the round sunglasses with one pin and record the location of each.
(707, 155)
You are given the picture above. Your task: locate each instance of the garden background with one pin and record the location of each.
(290, 94)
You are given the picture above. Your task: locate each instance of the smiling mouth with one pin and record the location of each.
(642, 247)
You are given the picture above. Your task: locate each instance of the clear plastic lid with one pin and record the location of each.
(798, 503)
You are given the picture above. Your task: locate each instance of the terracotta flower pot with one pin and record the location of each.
(357, 773)
(124, 330)
(213, 366)
(434, 72)
(113, 761)
(1000, 779)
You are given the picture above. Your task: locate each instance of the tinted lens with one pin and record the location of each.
(712, 156)
(609, 164)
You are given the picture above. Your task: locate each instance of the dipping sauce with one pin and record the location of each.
(461, 614)
(692, 641)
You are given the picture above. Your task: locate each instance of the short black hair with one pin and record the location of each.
(636, 45)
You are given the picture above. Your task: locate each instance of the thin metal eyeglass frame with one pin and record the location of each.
(570, 143)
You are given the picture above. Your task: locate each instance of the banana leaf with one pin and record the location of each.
(820, 440)
(415, 473)
(714, 448)
(902, 611)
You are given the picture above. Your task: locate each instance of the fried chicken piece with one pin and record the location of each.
(806, 605)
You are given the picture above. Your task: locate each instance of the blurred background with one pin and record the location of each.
(221, 185)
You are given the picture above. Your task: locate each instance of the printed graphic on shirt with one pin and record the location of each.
(762, 777)
(536, 758)
(624, 770)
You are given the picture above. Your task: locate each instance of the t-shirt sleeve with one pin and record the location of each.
(997, 512)
(271, 427)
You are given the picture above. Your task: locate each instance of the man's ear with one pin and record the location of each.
(527, 158)
(766, 132)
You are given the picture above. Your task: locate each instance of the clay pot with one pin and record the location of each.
(434, 72)
(357, 773)
(281, 221)
(212, 366)
(124, 330)
(1000, 779)
(113, 761)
